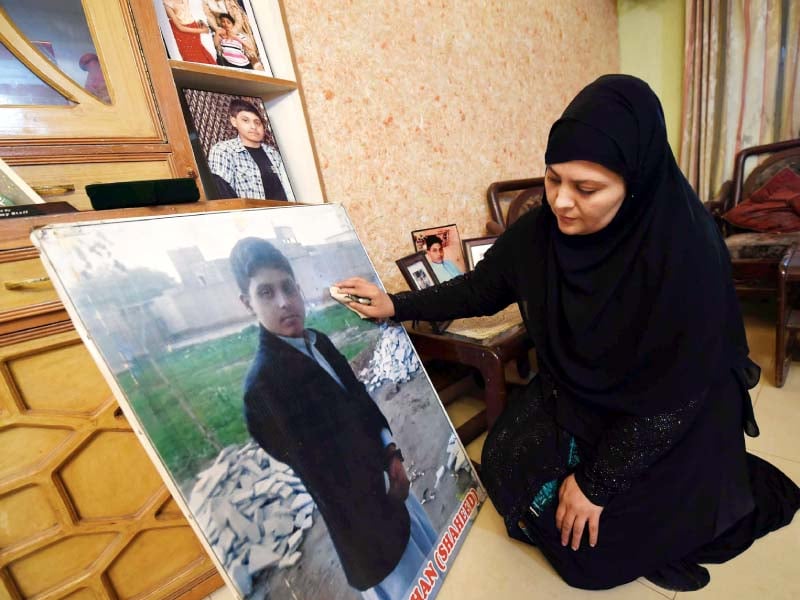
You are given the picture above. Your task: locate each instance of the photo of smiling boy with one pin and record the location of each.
(305, 407)
(445, 269)
(246, 167)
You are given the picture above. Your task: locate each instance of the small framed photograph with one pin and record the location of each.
(419, 275)
(235, 148)
(475, 248)
(212, 32)
(417, 271)
(442, 246)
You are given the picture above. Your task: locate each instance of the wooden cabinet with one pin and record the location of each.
(125, 113)
(85, 85)
(84, 510)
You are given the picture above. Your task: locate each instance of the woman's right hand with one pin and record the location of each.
(380, 307)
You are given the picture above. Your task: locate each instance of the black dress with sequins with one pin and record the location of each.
(675, 484)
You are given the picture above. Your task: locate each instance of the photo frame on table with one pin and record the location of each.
(475, 248)
(196, 31)
(445, 257)
(254, 438)
(225, 167)
(416, 271)
(419, 275)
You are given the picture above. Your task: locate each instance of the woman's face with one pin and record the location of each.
(584, 196)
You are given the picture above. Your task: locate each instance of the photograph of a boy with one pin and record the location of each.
(305, 407)
(233, 49)
(444, 269)
(233, 36)
(245, 166)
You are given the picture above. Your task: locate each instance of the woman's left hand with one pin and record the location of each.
(574, 512)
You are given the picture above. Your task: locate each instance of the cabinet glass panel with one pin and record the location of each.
(59, 30)
(20, 86)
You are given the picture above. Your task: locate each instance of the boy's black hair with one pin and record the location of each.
(238, 105)
(430, 240)
(226, 16)
(251, 254)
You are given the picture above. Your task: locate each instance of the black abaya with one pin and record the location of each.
(642, 357)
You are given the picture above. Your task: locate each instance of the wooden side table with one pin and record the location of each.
(489, 356)
(788, 325)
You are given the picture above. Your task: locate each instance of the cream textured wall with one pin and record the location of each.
(651, 35)
(416, 107)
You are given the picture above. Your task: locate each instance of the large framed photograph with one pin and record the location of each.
(475, 248)
(212, 32)
(235, 147)
(306, 446)
(442, 246)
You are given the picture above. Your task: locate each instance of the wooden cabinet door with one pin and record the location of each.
(83, 512)
(71, 71)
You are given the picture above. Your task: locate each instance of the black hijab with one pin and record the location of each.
(640, 317)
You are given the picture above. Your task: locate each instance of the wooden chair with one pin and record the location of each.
(510, 199)
(756, 257)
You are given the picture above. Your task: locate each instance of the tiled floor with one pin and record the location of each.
(491, 565)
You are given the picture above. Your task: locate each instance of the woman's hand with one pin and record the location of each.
(574, 511)
(380, 306)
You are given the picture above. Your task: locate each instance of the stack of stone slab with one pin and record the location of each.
(253, 510)
(394, 359)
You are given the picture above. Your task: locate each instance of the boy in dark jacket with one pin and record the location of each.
(305, 407)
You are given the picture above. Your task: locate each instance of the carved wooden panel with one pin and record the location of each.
(23, 282)
(83, 512)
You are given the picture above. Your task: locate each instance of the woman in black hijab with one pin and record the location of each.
(625, 457)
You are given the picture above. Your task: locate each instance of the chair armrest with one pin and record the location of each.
(720, 204)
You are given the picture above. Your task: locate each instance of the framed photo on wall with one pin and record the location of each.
(235, 147)
(442, 246)
(212, 32)
(475, 248)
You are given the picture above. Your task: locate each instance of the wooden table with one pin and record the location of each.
(489, 356)
(788, 325)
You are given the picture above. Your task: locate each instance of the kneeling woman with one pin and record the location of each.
(626, 456)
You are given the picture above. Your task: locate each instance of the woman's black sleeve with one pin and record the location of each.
(489, 288)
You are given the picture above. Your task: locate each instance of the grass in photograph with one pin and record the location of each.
(189, 400)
